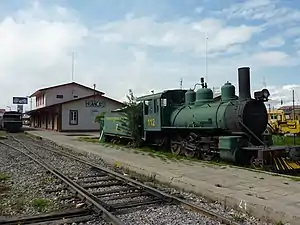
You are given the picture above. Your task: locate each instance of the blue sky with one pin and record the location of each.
(145, 45)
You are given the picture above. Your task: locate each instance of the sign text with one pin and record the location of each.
(94, 103)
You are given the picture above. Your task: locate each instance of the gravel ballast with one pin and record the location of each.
(23, 185)
(152, 215)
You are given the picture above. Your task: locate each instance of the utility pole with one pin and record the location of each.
(294, 114)
(181, 81)
(206, 40)
(94, 85)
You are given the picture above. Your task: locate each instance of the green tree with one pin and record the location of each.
(134, 116)
(100, 119)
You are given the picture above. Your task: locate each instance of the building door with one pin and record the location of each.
(73, 117)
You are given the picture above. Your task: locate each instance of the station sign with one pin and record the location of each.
(94, 103)
(20, 100)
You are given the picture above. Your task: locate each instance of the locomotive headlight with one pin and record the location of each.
(262, 95)
(266, 93)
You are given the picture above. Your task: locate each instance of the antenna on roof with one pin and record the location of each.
(181, 81)
(264, 82)
(206, 40)
(73, 59)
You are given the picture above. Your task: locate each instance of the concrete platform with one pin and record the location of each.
(266, 196)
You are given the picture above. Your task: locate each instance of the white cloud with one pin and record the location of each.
(199, 10)
(179, 35)
(274, 58)
(292, 31)
(266, 10)
(36, 43)
(34, 49)
(284, 93)
(273, 42)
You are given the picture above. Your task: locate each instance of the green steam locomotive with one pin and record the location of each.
(195, 124)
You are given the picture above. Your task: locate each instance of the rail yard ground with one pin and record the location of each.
(95, 183)
(270, 197)
(98, 186)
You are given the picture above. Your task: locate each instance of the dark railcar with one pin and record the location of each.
(12, 121)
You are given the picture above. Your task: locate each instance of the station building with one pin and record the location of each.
(70, 107)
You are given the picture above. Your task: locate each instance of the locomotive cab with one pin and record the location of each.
(158, 107)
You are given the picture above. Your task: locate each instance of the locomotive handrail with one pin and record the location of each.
(217, 111)
(250, 131)
(271, 127)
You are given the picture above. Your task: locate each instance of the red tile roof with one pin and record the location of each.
(40, 91)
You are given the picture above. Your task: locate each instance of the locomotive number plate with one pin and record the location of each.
(151, 122)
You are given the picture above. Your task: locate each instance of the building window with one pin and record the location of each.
(75, 96)
(73, 117)
(59, 96)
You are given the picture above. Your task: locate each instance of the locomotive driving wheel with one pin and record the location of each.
(176, 147)
(206, 154)
(189, 153)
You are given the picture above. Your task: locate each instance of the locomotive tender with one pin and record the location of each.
(197, 124)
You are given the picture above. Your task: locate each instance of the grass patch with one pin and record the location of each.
(295, 178)
(48, 180)
(41, 204)
(168, 156)
(89, 139)
(4, 177)
(3, 135)
(285, 140)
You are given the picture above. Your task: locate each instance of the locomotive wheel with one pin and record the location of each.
(189, 153)
(256, 163)
(175, 147)
(208, 156)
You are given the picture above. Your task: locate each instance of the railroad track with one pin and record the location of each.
(66, 217)
(120, 194)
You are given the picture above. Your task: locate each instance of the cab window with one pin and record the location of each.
(146, 107)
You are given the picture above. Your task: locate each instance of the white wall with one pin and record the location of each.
(68, 93)
(86, 115)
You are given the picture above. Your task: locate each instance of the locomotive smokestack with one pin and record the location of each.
(244, 83)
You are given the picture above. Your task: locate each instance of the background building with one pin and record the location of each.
(70, 107)
(288, 110)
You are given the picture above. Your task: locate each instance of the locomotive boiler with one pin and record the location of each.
(195, 124)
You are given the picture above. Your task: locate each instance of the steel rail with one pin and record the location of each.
(69, 214)
(106, 215)
(147, 188)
